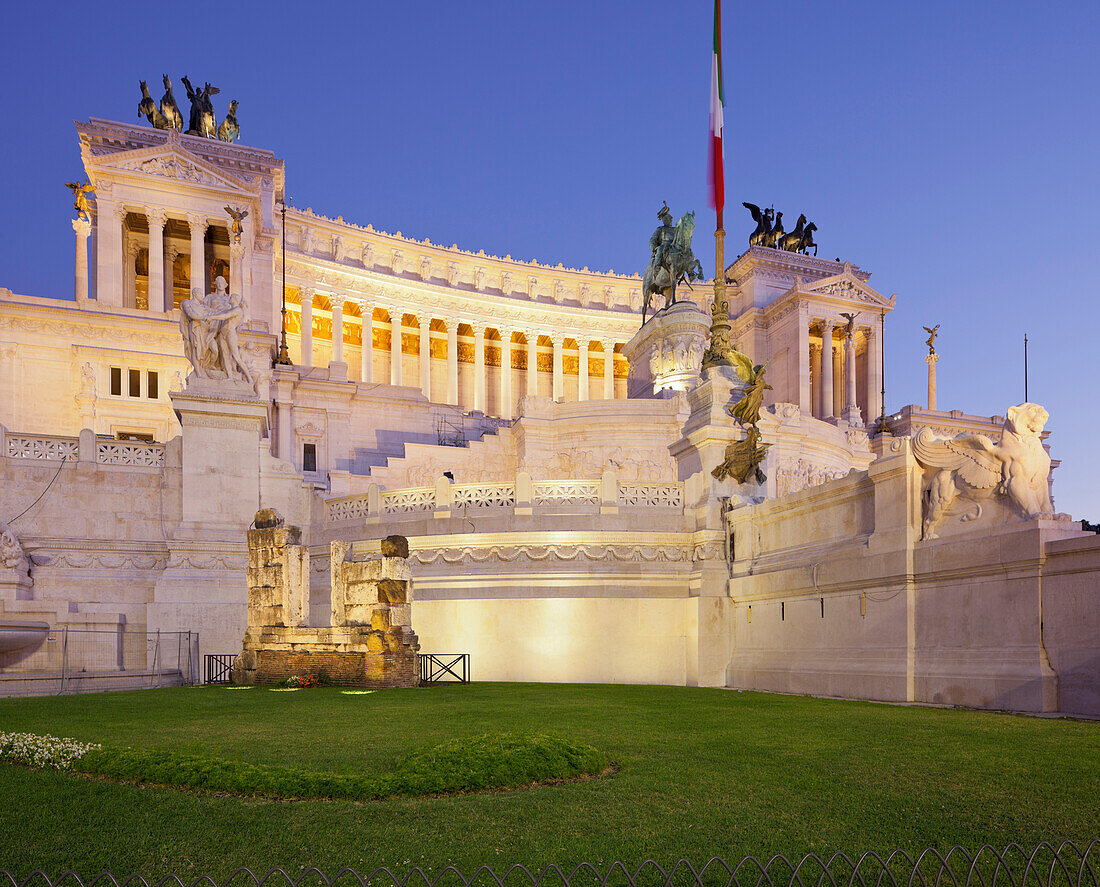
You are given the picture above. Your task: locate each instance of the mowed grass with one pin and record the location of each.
(701, 773)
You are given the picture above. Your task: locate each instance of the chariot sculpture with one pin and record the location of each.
(202, 121)
(769, 231)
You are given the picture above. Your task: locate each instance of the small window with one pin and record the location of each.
(116, 380)
(152, 388)
(135, 383)
(309, 457)
(134, 435)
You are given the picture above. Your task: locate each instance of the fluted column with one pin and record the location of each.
(479, 367)
(582, 369)
(171, 253)
(129, 274)
(426, 355)
(826, 410)
(395, 346)
(559, 376)
(366, 360)
(851, 408)
(236, 269)
(532, 363)
(337, 302)
(110, 217)
(874, 372)
(815, 376)
(156, 217)
(506, 399)
(609, 370)
(931, 361)
(307, 325)
(197, 224)
(82, 228)
(452, 360)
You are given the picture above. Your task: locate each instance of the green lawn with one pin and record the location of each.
(701, 773)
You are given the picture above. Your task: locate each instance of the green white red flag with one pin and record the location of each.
(717, 100)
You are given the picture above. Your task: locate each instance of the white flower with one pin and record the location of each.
(42, 751)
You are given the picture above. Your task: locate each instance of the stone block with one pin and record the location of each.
(395, 546)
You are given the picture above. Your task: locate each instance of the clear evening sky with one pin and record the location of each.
(951, 148)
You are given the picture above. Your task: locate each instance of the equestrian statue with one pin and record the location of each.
(671, 259)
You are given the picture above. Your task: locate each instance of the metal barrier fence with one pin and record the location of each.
(1047, 865)
(78, 660)
(445, 668)
(217, 668)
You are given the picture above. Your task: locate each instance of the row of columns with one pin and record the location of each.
(112, 257)
(833, 364)
(507, 397)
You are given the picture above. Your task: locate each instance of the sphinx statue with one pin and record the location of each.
(973, 468)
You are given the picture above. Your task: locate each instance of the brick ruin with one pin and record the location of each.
(369, 641)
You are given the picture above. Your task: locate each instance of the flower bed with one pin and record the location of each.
(43, 751)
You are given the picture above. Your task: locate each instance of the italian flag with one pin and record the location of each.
(717, 100)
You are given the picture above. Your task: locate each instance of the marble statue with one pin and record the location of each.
(169, 108)
(974, 468)
(671, 259)
(203, 122)
(12, 555)
(209, 325)
(80, 198)
(931, 340)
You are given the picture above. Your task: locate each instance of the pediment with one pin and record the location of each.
(170, 161)
(846, 286)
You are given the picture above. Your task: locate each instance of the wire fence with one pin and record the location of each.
(1047, 865)
(78, 660)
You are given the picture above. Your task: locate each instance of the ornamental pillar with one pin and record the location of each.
(532, 363)
(426, 355)
(366, 358)
(236, 269)
(337, 303)
(609, 370)
(306, 296)
(582, 369)
(826, 411)
(479, 367)
(156, 218)
(874, 372)
(452, 361)
(197, 224)
(815, 377)
(559, 377)
(171, 253)
(805, 404)
(129, 274)
(931, 361)
(395, 346)
(851, 412)
(109, 252)
(506, 399)
(82, 228)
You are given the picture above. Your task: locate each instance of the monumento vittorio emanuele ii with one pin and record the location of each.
(670, 476)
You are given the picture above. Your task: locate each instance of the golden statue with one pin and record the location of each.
(83, 210)
(236, 229)
(743, 458)
(747, 409)
(931, 341)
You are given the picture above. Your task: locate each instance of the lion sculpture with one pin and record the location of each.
(973, 467)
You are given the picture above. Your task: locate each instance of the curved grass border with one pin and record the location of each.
(489, 762)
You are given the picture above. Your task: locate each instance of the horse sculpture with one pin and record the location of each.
(771, 234)
(671, 263)
(148, 108)
(230, 129)
(777, 232)
(169, 108)
(763, 220)
(792, 241)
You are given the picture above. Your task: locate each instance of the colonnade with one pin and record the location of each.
(116, 255)
(509, 344)
(834, 373)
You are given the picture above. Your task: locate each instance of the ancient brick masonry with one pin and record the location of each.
(369, 642)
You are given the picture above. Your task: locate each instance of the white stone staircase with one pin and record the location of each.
(484, 459)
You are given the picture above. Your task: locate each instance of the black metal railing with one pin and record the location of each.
(217, 668)
(444, 668)
(1047, 865)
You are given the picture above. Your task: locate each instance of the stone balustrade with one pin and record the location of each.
(85, 448)
(524, 496)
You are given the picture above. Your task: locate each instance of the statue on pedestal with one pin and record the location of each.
(236, 229)
(931, 341)
(671, 259)
(202, 121)
(209, 325)
(80, 204)
(743, 458)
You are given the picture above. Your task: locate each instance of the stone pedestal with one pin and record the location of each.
(203, 586)
(82, 228)
(666, 353)
(931, 361)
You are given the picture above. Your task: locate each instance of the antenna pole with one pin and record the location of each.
(1025, 368)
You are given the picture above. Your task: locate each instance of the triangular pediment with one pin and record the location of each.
(848, 287)
(171, 161)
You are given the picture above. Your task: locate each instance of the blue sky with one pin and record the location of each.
(949, 148)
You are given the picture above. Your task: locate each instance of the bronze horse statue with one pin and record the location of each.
(800, 239)
(674, 264)
(169, 108)
(777, 232)
(148, 108)
(763, 219)
(230, 130)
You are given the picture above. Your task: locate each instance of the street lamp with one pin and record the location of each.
(283, 357)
